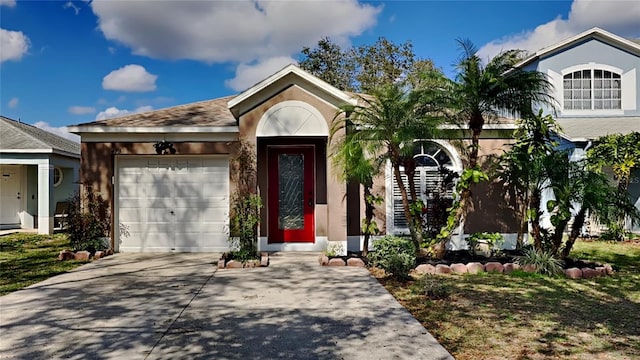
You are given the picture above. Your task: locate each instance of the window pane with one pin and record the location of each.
(607, 94)
(586, 104)
(577, 75)
(597, 94)
(607, 104)
(291, 185)
(586, 84)
(616, 84)
(597, 74)
(598, 104)
(586, 74)
(617, 104)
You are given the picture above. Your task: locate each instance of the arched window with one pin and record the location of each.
(592, 89)
(434, 179)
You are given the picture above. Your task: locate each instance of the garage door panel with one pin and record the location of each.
(195, 189)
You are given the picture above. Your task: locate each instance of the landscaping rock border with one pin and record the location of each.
(324, 260)
(476, 267)
(83, 255)
(225, 263)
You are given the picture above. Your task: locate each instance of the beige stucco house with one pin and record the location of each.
(178, 200)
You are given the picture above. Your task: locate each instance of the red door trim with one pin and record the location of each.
(275, 234)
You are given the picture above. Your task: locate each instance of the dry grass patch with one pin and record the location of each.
(528, 316)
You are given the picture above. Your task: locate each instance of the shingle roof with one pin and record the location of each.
(15, 135)
(203, 113)
(593, 127)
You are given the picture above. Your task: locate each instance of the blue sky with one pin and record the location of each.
(69, 62)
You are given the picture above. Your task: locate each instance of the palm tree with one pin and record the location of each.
(354, 165)
(387, 124)
(482, 92)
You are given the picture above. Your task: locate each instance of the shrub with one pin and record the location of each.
(543, 261)
(395, 255)
(492, 240)
(435, 288)
(88, 221)
(334, 249)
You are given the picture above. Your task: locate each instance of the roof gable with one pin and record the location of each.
(16, 136)
(593, 33)
(287, 76)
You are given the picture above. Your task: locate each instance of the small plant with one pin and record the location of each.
(543, 261)
(395, 255)
(435, 288)
(334, 249)
(484, 243)
(615, 232)
(88, 221)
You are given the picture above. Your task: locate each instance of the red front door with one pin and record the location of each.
(291, 194)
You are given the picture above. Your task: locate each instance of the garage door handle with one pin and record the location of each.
(171, 212)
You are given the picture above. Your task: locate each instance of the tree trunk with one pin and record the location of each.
(535, 220)
(578, 222)
(415, 237)
(557, 236)
(368, 216)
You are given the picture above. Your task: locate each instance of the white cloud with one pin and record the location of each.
(14, 45)
(114, 112)
(248, 75)
(240, 32)
(81, 110)
(9, 3)
(132, 77)
(13, 102)
(71, 5)
(221, 31)
(620, 17)
(61, 131)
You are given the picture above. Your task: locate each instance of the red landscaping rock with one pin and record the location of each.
(443, 269)
(493, 267)
(475, 267)
(323, 260)
(232, 264)
(98, 255)
(608, 269)
(573, 273)
(589, 273)
(66, 255)
(529, 268)
(355, 262)
(221, 263)
(459, 268)
(83, 255)
(250, 264)
(602, 270)
(425, 269)
(109, 252)
(264, 260)
(509, 267)
(336, 262)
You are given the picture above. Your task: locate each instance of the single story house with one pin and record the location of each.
(38, 170)
(168, 173)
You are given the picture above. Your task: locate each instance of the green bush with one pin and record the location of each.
(395, 255)
(245, 216)
(88, 222)
(543, 261)
(435, 288)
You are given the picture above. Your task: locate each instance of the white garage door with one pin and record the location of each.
(173, 203)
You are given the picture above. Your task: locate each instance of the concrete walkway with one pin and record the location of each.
(179, 306)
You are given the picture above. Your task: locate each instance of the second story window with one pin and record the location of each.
(592, 89)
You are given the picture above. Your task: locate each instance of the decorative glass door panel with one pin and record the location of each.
(291, 194)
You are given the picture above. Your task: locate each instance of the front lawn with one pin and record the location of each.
(527, 316)
(26, 259)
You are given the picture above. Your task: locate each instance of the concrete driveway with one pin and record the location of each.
(179, 306)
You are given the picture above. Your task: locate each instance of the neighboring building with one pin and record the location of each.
(38, 170)
(596, 79)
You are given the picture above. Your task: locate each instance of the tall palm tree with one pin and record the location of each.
(388, 124)
(483, 92)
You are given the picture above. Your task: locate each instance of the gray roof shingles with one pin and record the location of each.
(594, 127)
(203, 113)
(15, 135)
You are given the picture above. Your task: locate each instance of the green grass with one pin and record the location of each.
(26, 259)
(496, 316)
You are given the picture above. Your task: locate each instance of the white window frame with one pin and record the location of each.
(60, 177)
(456, 165)
(591, 67)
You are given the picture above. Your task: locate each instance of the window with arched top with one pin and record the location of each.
(592, 89)
(434, 178)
